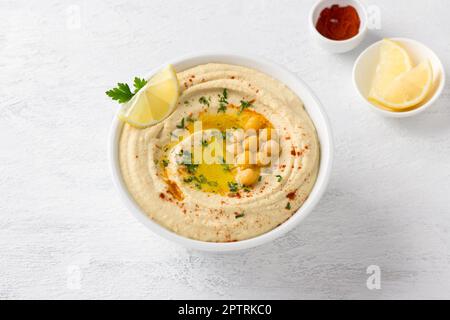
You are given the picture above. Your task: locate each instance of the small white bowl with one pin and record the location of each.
(317, 115)
(338, 46)
(365, 66)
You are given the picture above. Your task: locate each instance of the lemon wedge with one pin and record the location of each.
(154, 102)
(393, 61)
(408, 89)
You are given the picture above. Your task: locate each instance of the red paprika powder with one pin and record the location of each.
(338, 23)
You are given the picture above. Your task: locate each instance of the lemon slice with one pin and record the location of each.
(393, 61)
(408, 89)
(154, 102)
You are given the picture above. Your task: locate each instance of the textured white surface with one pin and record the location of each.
(65, 234)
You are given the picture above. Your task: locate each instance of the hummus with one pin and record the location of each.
(206, 201)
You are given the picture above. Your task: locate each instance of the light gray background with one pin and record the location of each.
(65, 234)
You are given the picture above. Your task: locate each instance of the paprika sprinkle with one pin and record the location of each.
(338, 23)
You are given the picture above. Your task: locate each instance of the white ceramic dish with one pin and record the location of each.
(366, 63)
(316, 113)
(335, 46)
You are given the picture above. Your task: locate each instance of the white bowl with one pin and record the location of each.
(366, 63)
(317, 115)
(338, 46)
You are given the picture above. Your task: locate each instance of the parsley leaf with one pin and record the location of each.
(181, 125)
(139, 84)
(279, 177)
(244, 105)
(288, 206)
(121, 93)
(233, 186)
(223, 101)
(204, 101)
(191, 168)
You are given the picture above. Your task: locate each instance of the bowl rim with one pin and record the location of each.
(412, 112)
(324, 173)
(362, 28)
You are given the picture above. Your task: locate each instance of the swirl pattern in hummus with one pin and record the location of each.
(218, 217)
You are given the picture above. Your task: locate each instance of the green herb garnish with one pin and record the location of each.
(279, 177)
(204, 100)
(233, 186)
(191, 168)
(181, 125)
(202, 179)
(213, 183)
(244, 105)
(139, 84)
(288, 206)
(240, 215)
(165, 162)
(223, 101)
(122, 93)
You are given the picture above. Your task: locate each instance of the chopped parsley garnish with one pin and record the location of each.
(138, 84)
(279, 177)
(165, 162)
(205, 101)
(213, 183)
(240, 215)
(122, 93)
(222, 108)
(200, 180)
(288, 206)
(259, 178)
(181, 125)
(244, 105)
(187, 161)
(223, 101)
(191, 168)
(186, 102)
(233, 186)
(205, 143)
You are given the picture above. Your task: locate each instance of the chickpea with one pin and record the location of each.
(247, 177)
(254, 122)
(271, 147)
(251, 143)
